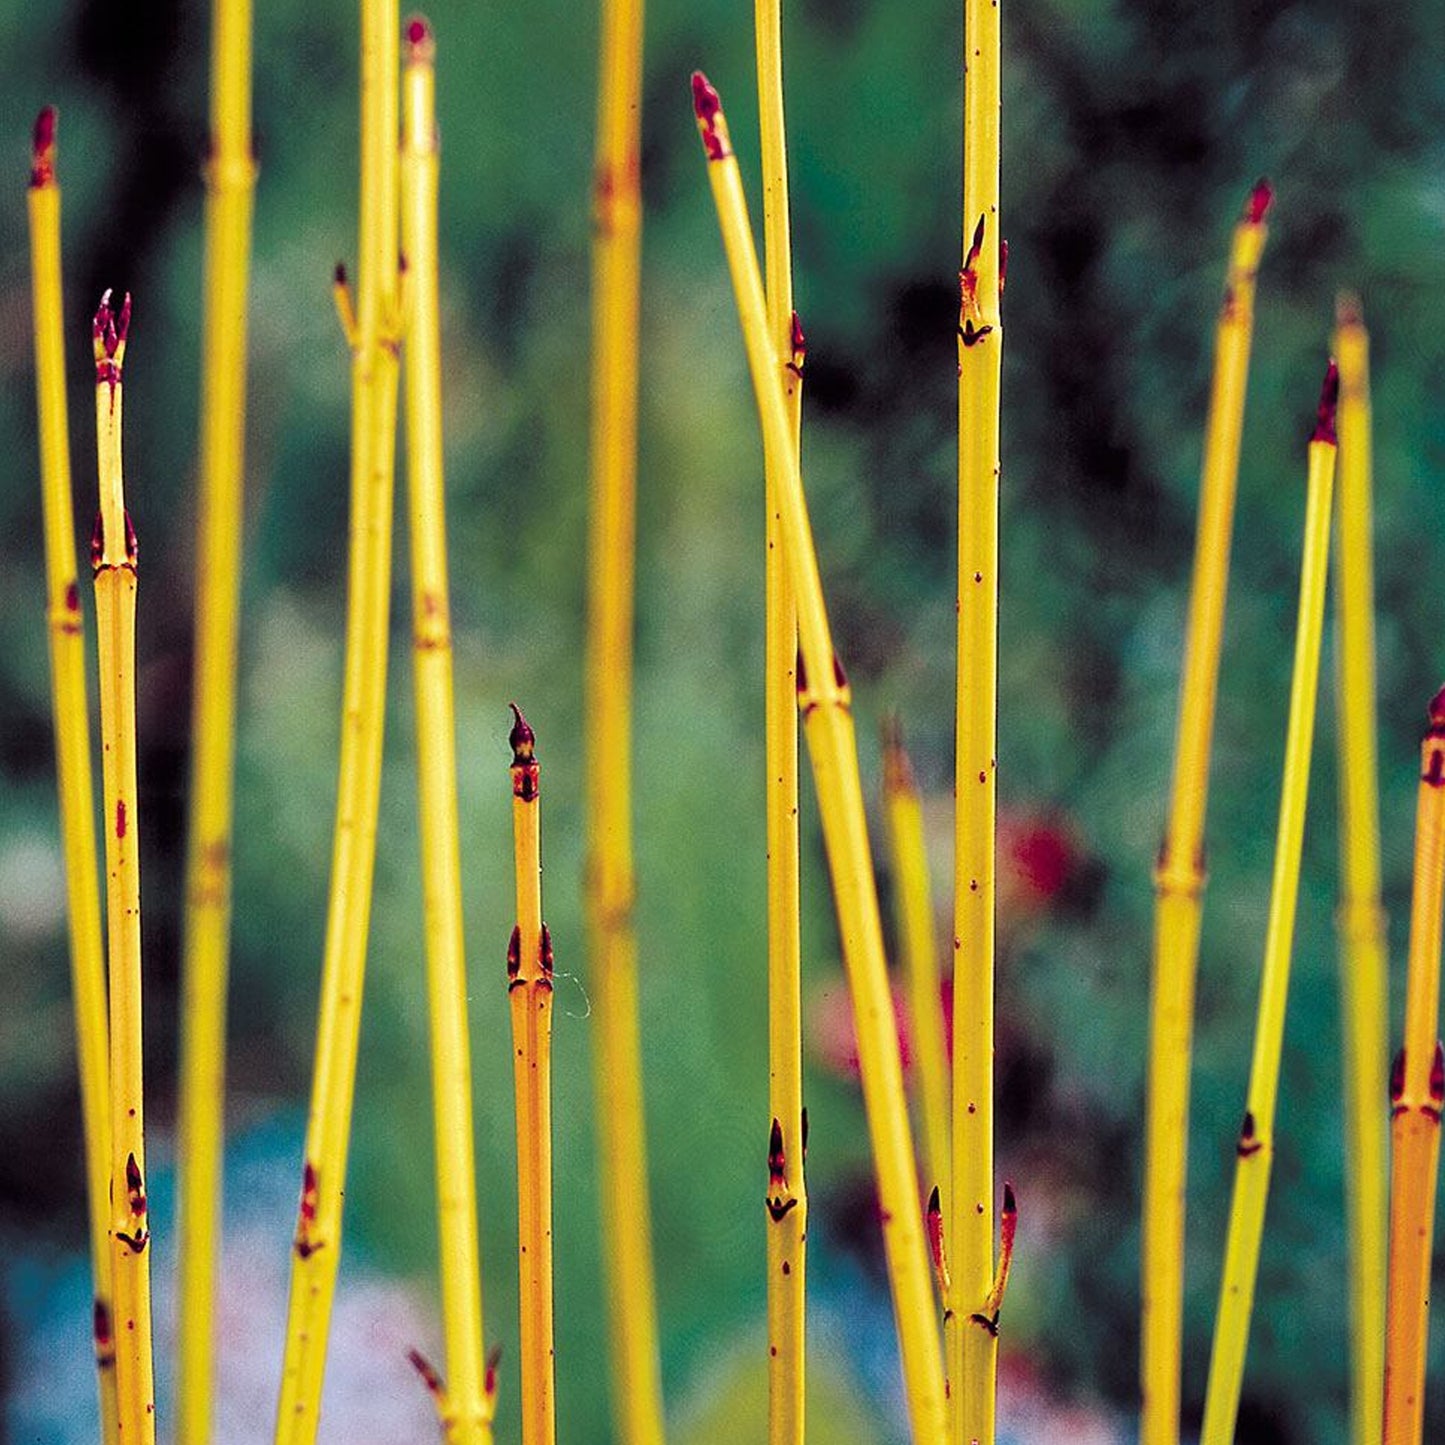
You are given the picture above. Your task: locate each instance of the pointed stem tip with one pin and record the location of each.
(933, 1221)
(711, 125)
(799, 344)
(421, 44)
(110, 328)
(1437, 712)
(42, 154)
(522, 739)
(1329, 402)
(1256, 208)
(975, 248)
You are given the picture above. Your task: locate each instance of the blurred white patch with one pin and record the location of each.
(32, 888)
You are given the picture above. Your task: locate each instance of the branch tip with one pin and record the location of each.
(711, 124)
(1348, 311)
(799, 344)
(42, 154)
(109, 330)
(897, 766)
(933, 1220)
(426, 1370)
(1007, 1227)
(1329, 402)
(891, 730)
(1437, 712)
(977, 243)
(421, 44)
(522, 739)
(489, 1379)
(1261, 198)
(1002, 264)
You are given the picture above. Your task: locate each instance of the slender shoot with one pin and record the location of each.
(316, 1251)
(972, 1355)
(826, 701)
(529, 987)
(1417, 1095)
(908, 854)
(628, 1273)
(1255, 1149)
(230, 184)
(787, 1198)
(1179, 874)
(465, 1408)
(113, 560)
(65, 631)
(1363, 973)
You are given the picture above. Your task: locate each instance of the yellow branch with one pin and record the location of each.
(825, 701)
(969, 1193)
(113, 558)
(529, 987)
(230, 182)
(317, 1247)
(466, 1409)
(903, 814)
(1363, 983)
(611, 945)
(1179, 874)
(787, 1198)
(1256, 1138)
(1417, 1094)
(65, 630)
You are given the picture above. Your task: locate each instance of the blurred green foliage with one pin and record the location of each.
(1132, 134)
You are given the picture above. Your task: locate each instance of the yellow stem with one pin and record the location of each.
(529, 986)
(1417, 1095)
(969, 1194)
(1256, 1139)
(1363, 983)
(903, 814)
(467, 1410)
(611, 946)
(113, 557)
(230, 182)
(1179, 874)
(825, 701)
(65, 630)
(317, 1248)
(787, 1198)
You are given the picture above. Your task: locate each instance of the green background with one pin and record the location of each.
(1132, 134)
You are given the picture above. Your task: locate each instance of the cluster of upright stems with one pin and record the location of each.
(1388, 1330)
(949, 1373)
(398, 212)
(948, 1260)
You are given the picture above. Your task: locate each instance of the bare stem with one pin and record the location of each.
(65, 630)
